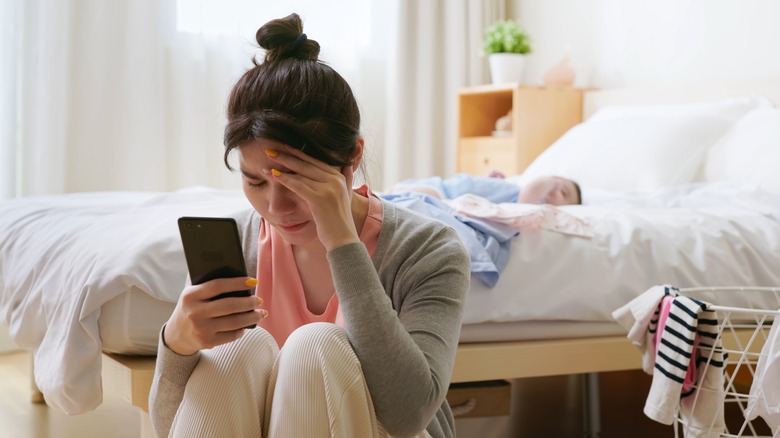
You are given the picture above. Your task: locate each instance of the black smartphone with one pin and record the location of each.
(213, 249)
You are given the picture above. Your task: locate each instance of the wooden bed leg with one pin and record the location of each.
(591, 407)
(36, 396)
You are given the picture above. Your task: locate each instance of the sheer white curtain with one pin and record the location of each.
(10, 42)
(436, 51)
(130, 94)
(91, 113)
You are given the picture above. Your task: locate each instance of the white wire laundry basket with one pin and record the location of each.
(743, 331)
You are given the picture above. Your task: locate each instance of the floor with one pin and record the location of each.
(553, 407)
(20, 418)
(541, 407)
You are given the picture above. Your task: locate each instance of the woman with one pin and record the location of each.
(361, 300)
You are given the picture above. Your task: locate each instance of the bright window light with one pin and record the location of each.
(342, 28)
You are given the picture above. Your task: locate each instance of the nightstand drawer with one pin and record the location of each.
(478, 155)
(480, 399)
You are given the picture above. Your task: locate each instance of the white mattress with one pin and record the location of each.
(536, 330)
(131, 322)
(114, 256)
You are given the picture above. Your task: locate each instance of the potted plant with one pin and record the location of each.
(506, 45)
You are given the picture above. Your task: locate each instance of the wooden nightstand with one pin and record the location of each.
(539, 117)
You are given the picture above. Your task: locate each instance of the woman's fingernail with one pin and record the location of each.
(275, 172)
(264, 312)
(259, 301)
(271, 152)
(250, 282)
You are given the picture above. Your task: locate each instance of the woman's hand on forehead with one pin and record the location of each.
(325, 188)
(295, 161)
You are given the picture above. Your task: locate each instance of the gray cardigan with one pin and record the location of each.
(402, 311)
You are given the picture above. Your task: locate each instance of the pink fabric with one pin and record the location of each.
(280, 284)
(521, 217)
(690, 375)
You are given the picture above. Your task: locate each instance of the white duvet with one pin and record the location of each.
(721, 234)
(62, 257)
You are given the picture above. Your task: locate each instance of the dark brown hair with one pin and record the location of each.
(579, 192)
(293, 98)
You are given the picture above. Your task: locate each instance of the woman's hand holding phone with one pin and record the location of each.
(200, 322)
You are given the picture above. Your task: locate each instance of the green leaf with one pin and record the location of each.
(506, 37)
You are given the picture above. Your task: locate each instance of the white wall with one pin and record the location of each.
(615, 43)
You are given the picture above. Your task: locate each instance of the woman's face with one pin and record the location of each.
(552, 190)
(281, 208)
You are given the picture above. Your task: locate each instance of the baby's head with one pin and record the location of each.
(552, 190)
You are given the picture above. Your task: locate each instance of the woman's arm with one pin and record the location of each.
(171, 373)
(172, 370)
(407, 347)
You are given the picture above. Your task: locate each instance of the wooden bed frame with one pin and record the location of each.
(131, 376)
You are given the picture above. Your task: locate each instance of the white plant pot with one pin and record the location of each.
(506, 67)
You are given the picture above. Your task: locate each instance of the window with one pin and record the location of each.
(342, 30)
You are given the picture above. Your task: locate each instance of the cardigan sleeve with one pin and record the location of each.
(171, 373)
(405, 328)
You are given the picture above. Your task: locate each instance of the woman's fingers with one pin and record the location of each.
(348, 174)
(308, 177)
(227, 328)
(322, 186)
(295, 161)
(212, 288)
(199, 303)
(189, 329)
(199, 321)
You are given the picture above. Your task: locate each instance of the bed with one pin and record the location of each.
(679, 188)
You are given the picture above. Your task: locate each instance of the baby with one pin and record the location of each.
(552, 190)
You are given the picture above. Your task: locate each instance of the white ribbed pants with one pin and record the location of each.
(313, 387)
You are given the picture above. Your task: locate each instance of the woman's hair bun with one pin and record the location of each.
(284, 38)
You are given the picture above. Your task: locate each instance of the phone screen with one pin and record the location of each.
(213, 249)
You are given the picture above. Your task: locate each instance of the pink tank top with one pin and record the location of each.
(280, 284)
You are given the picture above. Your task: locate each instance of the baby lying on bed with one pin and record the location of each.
(552, 190)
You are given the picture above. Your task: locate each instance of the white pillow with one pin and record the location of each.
(749, 152)
(731, 109)
(640, 148)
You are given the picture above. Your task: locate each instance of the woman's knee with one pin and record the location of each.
(319, 342)
(255, 350)
(315, 334)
